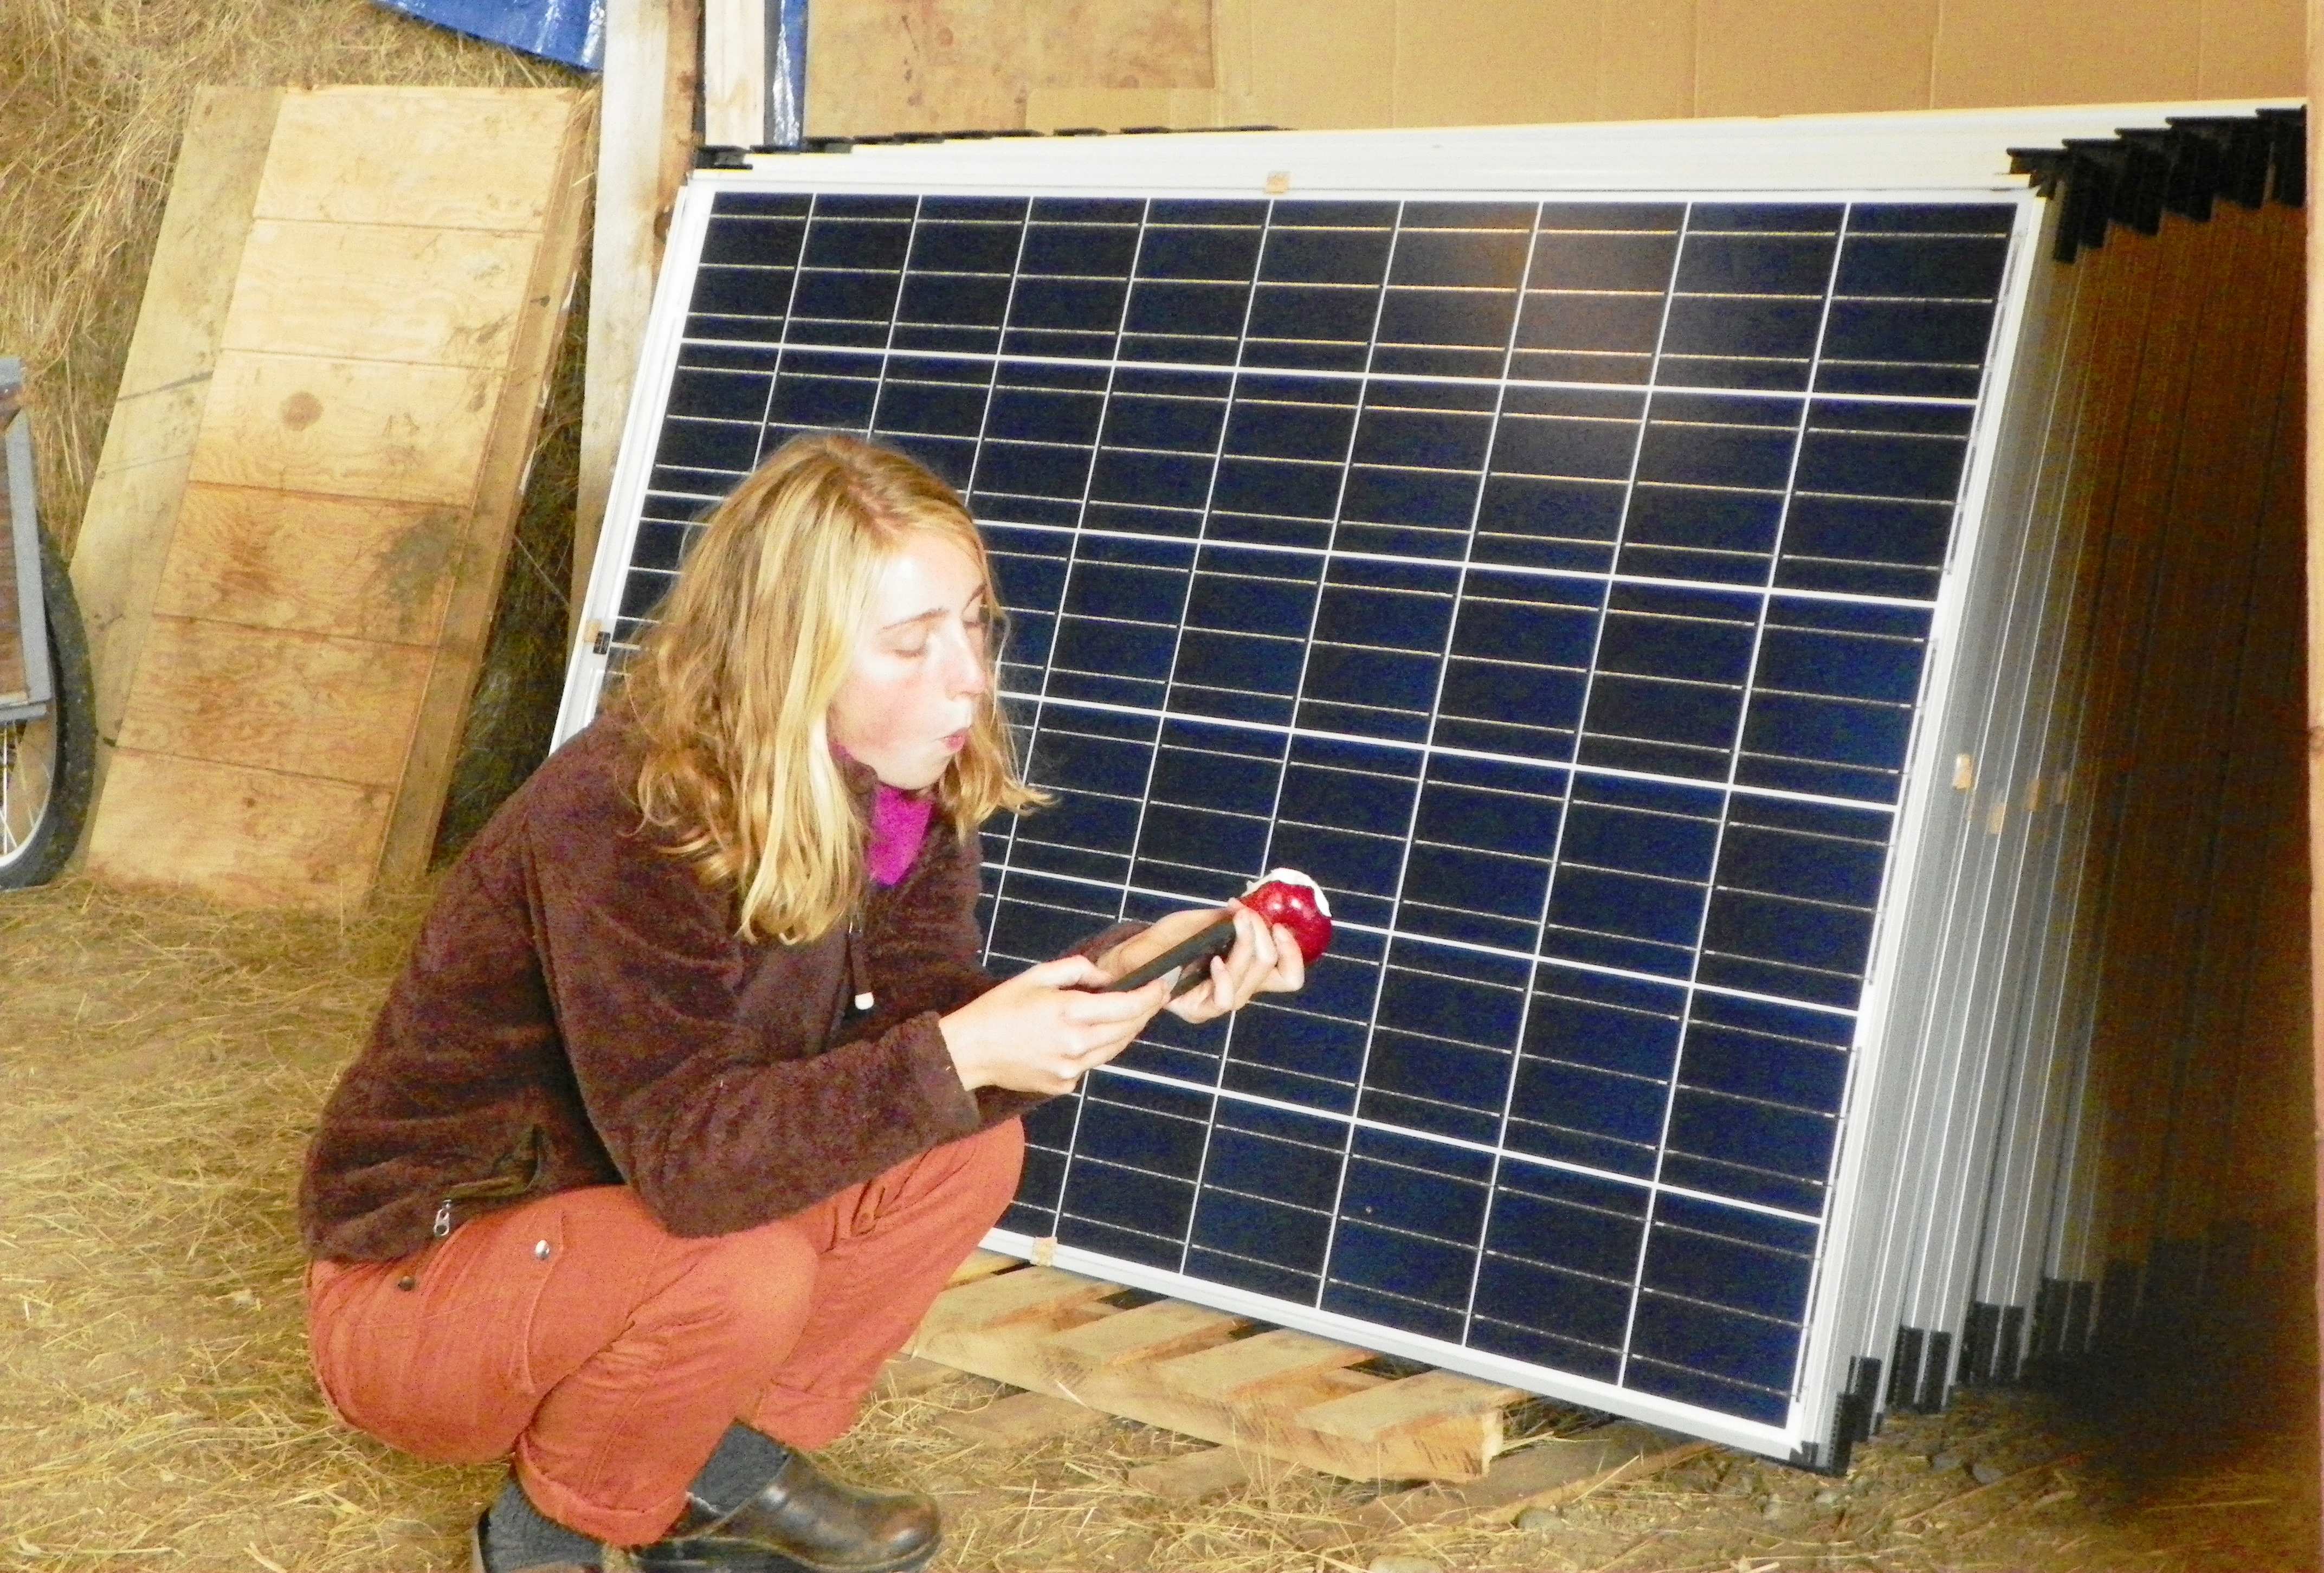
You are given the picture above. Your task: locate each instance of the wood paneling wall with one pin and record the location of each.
(938, 65)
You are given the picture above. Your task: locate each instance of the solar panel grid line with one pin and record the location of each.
(1639, 1269)
(1493, 1178)
(983, 424)
(1072, 558)
(1339, 506)
(1137, 836)
(1750, 690)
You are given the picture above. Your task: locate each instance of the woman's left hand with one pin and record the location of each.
(1265, 960)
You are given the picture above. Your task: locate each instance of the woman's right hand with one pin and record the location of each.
(1041, 1029)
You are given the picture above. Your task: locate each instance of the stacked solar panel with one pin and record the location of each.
(1553, 574)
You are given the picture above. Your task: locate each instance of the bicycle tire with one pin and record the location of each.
(65, 740)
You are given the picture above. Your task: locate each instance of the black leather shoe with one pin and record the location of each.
(800, 1521)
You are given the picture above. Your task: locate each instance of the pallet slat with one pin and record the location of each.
(1288, 1395)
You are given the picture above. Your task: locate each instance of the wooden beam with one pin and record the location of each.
(645, 145)
(735, 72)
(2316, 620)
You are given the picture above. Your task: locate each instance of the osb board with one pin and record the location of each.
(945, 65)
(1314, 64)
(330, 561)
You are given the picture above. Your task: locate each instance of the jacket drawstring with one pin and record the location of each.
(859, 981)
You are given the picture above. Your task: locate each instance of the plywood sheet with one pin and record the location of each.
(446, 297)
(349, 565)
(1317, 65)
(236, 834)
(1118, 44)
(464, 158)
(945, 65)
(149, 442)
(1484, 62)
(2251, 49)
(1793, 56)
(2065, 52)
(297, 703)
(1114, 108)
(915, 65)
(298, 423)
(332, 539)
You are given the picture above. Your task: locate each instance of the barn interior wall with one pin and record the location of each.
(935, 65)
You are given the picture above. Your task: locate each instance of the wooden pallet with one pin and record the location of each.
(1261, 1393)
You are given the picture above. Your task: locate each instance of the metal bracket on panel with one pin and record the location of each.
(1936, 1391)
(722, 158)
(1905, 1369)
(1979, 1337)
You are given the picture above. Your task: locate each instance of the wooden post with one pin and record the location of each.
(2316, 607)
(645, 144)
(735, 72)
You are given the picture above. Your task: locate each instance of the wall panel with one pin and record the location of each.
(938, 65)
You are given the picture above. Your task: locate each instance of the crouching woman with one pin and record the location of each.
(692, 1096)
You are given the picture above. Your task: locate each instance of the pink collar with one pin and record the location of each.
(899, 823)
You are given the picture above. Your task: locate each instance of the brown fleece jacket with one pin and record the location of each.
(577, 1011)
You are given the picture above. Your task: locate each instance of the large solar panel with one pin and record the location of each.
(1551, 573)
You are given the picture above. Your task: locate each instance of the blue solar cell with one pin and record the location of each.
(744, 291)
(1395, 1310)
(1945, 332)
(1747, 1150)
(935, 209)
(1695, 441)
(1454, 259)
(737, 205)
(1966, 268)
(1881, 465)
(1166, 1142)
(1708, 1342)
(1289, 1239)
(849, 243)
(1433, 1272)
(1766, 218)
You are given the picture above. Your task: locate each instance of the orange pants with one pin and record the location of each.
(610, 1355)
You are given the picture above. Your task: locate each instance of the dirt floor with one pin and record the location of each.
(159, 1064)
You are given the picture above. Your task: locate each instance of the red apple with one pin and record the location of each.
(1289, 897)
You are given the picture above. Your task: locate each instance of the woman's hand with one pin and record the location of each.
(1041, 1029)
(1265, 960)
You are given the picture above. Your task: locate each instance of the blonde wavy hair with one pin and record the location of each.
(732, 688)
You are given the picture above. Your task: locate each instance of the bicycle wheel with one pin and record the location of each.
(48, 764)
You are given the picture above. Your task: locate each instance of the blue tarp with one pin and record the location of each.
(572, 32)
